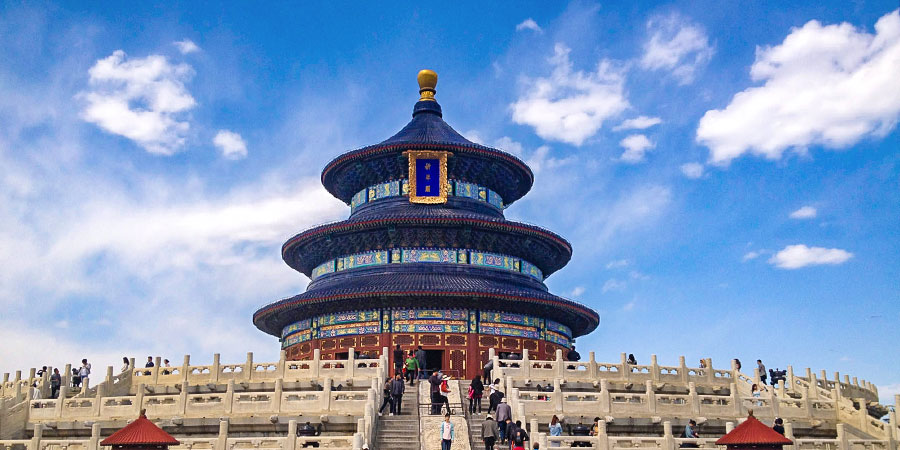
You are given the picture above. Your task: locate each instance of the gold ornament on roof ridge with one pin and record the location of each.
(427, 81)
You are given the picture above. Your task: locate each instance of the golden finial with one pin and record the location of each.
(427, 81)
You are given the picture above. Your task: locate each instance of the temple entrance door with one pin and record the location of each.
(434, 360)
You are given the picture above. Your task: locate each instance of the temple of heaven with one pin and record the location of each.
(426, 257)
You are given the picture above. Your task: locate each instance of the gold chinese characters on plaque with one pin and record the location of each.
(428, 176)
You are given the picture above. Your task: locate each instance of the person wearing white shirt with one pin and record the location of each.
(446, 433)
(84, 372)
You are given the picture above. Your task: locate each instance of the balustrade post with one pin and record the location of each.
(650, 396)
(682, 369)
(776, 403)
(156, 371)
(823, 376)
(229, 396)
(756, 375)
(109, 376)
(279, 369)
(532, 431)
(780, 389)
(843, 439)
(624, 369)
(139, 399)
(863, 415)
(214, 371)
(61, 400)
(807, 402)
(710, 371)
(316, 363)
(592, 366)
(222, 438)
(94, 443)
(183, 398)
(558, 396)
(131, 365)
(542, 439)
(326, 396)
(248, 367)
(526, 364)
(98, 399)
(357, 441)
(654, 368)
(560, 366)
(36, 438)
(668, 437)
(789, 433)
(695, 399)
(290, 442)
(351, 364)
(791, 382)
(279, 390)
(735, 372)
(813, 385)
(602, 437)
(67, 376)
(729, 426)
(186, 368)
(847, 379)
(855, 382)
(604, 396)
(736, 399)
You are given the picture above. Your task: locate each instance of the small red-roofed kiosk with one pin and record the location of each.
(141, 434)
(753, 434)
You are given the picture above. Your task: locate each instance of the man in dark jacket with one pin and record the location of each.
(420, 358)
(435, 382)
(55, 382)
(398, 360)
(519, 436)
(397, 389)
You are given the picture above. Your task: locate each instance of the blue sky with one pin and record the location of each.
(728, 174)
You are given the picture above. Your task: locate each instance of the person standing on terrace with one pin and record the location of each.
(555, 430)
(398, 359)
(84, 372)
(762, 371)
(125, 364)
(55, 382)
(397, 389)
(446, 433)
(631, 361)
(412, 368)
(420, 358)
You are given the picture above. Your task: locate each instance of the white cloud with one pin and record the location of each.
(231, 144)
(630, 305)
(577, 291)
(750, 255)
(805, 212)
(636, 146)
(638, 123)
(824, 85)
(613, 284)
(529, 24)
(142, 99)
(887, 392)
(797, 256)
(617, 264)
(692, 170)
(186, 46)
(570, 106)
(677, 46)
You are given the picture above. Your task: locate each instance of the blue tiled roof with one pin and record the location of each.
(427, 126)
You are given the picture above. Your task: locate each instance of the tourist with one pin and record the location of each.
(148, 365)
(573, 355)
(555, 430)
(756, 392)
(505, 428)
(397, 389)
(41, 372)
(510, 431)
(166, 367)
(125, 364)
(476, 392)
(595, 429)
(76, 380)
(446, 433)
(488, 367)
(435, 389)
(504, 413)
(412, 368)
(35, 392)
(490, 432)
(398, 359)
(631, 361)
(737, 364)
(386, 392)
(690, 432)
(779, 426)
(420, 358)
(495, 396)
(55, 383)
(762, 371)
(84, 372)
(702, 363)
(519, 437)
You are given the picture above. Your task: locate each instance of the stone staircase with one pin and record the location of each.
(400, 432)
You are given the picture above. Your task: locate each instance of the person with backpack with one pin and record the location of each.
(386, 392)
(519, 437)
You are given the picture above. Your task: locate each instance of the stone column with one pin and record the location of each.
(532, 432)
(789, 433)
(792, 384)
(186, 369)
(139, 398)
(183, 398)
(222, 439)
(695, 399)
(624, 369)
(290, 441)
(316, 363)
(351, 364)
(682, 369)
(604, 396)
(668, 437)
(602, 437)
(38, 434)
(279, 390)
(729, 426)
(592, 366)
(654, 368)
(526, 364)
(650, 396)
(326, 396)
(736, 400)
(558, 396)
(560, 366)
(842, 438)
(215, 369)
(94, 443)
(248, 367)
(229, 396)
(279, 369)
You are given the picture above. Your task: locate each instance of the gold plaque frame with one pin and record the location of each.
(444, 191)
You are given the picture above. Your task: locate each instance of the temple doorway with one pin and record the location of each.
(434, 361)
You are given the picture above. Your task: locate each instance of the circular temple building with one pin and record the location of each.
(426, 257)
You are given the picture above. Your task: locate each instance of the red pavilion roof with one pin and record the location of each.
(753, 432)
(140, 432)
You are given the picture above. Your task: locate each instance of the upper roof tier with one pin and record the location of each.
(470, 162)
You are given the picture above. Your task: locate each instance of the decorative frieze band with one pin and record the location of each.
(398, 188)
(428, 255)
